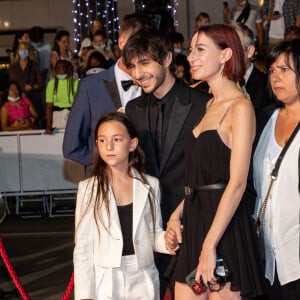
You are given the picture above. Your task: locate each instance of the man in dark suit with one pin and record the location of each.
(98, 94)
(163, 115)
(255, 80)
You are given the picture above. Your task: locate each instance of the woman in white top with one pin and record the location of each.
(280, 223)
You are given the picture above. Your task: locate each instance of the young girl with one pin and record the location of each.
(118, 219)
(60, 94)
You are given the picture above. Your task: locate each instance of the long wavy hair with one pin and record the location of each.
(99, 197)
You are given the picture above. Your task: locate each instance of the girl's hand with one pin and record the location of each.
(207, 265)
(173, 235)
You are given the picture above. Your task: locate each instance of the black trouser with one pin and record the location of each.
(289, 291)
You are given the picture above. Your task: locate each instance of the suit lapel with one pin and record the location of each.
(114, 215)
(177, 120)
(112, 89)
(142, 112)
(140, 196)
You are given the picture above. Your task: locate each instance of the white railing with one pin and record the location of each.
(32, 163)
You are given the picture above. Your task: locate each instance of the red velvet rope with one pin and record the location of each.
(12, 272)
(69, 288)
(17, 281)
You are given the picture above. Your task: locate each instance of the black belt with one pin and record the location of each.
(56, 108)
(215, 186)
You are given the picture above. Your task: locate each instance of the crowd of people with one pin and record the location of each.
(192, 157)
(48, 74)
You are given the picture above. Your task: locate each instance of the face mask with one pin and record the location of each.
(243, 2)
(178, 50)
(13, 99)
(24, 53)
(61, 76)
(99, 48)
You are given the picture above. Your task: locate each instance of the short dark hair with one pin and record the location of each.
(175, 37)
(135, 22)
(225, 36)
(99, 33)
(12, 82)
(291, 48)
(36, 34)
(150, 42)
(202, 15)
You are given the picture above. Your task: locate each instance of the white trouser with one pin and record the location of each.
(127, 282)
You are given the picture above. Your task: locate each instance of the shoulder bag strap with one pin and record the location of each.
(274, 174)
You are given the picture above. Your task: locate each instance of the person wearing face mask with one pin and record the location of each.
(23, 36)
(177, 40)
(17, 112)
(101, 43)
(27, 74)
(60, 94)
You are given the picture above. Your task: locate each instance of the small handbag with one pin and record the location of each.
(261, 214)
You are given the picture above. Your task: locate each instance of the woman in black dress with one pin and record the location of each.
(215, 215)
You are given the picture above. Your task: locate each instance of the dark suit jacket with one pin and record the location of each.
(189, 107)
(96, 95)
(256, 87)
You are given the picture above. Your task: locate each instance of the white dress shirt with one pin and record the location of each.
(133, 92)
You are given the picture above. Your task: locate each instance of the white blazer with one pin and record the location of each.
(97, 247)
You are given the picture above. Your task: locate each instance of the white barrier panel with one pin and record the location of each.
(10, 179)
(31, 161)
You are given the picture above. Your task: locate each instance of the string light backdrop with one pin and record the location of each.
(169, 5)
(86, 11)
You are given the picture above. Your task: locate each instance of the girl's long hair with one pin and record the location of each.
(99, 197)
(68, 68)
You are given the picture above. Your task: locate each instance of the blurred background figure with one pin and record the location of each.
(278, 16)
(94, 63)
(245, 13)
(102, 44)
(22, 36)
(255, 81)
(292, 33)
(60, 94)
(44, 50)
(28, 76)
(17, 112)
(61, 51)
(181, 69)
(202, 19)
(177, 41)
(160, 16)
(86, 42)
